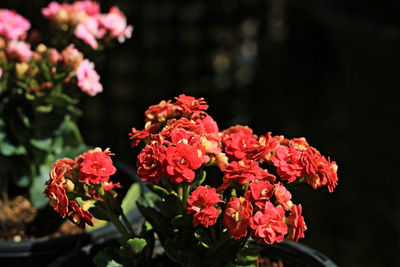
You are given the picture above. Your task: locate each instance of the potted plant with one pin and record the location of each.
(40, 92)
(214, 198)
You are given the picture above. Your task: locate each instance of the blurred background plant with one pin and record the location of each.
(327, 70)
(40, 89)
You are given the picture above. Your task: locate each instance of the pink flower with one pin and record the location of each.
(115, 23)
(71, 56)
(12, 25)
(91, 8)
(237, 216)
(268, 226)
(89, 31)
(201, 202)
(88, 79)
(55, 57)
(51, 10)
(19, 50)
(1, 72)
(96, 166)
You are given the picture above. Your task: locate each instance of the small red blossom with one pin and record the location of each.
(181, 161)
(262, 149)
(60, 169)
(259, 192)
(136, 136)
(110, 185)
(202, 203)
(78, 215)
(58, 198)
(160, 112)
(267, 225)
(236, 140)
(96, 166)
(182, 123)
(319, 170)
(287, 161)
(191, 105)
(295, 223)
(151, 162)
(245, 171)
(237, 216)
(282, 196)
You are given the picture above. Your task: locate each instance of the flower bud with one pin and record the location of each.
(62, 16)
(69, 186)
(41, 48)
(21, 69)
(86, 205)
(222, 160)
(2, 43)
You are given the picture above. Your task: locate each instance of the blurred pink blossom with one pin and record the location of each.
(88, 79)
(19, 50)
(12, 25)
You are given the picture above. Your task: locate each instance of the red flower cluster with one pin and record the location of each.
(180, 138)
(67, 178)
(202, 203)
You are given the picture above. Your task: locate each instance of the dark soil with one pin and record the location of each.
(19, 220)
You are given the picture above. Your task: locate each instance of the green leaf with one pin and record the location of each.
(137, 244)
(37, 197)
(59, 99)
(23, 181)
(129, 202)
(105, 258)
(42, 144)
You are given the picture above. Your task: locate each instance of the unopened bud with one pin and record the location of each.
(222, 160)
(86, 205)
(69, 186)
(41, 48)
(21, 69)
(2, 43)
(62, 16)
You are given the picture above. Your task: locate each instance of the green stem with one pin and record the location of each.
(180, 191)
(128, 225)
(121, 228)
(185, 197)
(213, 236)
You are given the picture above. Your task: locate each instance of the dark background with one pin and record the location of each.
(326, 71)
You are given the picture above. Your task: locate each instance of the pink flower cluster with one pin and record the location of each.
(81, 176)
(13, 31)
(12, 25)
(88, 24)
(180, 138)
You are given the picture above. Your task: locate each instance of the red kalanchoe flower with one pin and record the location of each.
(319, 170)
(78, 215)
(181, 161)
(107, 186)
(259, 192)
(151, 162)
(282, 196)
(160, 112)
(268, 226)
(136, 136)
(202, 203)
(58, 198)
(96, 166)
(60, 169)
(236, 140)
(237, 216)
(262, 149)
(287, 161)
(191, 105)
(295, 223)
(246, 171)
